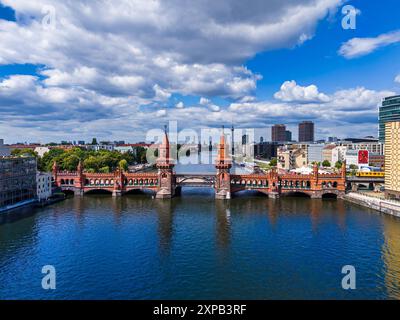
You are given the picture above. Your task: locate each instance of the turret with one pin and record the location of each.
(223, 160)
(343, 171)
(164, 158)
(315, 169)
(223, 165)
(55, 172)
(165, 170)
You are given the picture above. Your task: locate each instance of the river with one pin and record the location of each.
(193, 247)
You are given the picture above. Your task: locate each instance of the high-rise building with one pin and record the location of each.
(288, 136)
(278, 133)
(392, 159)
(389, 111)
(306, 131)
(17, 181)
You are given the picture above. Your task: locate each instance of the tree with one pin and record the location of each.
(273, 162)
(338, 164)
(94, 141)
(24, 152)
(104, 170)
(123, 165)
(326, 164)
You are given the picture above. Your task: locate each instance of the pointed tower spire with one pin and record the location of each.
(344, 169)
(164, 150)
(222, 158)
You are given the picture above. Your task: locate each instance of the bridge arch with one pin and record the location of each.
(301, 194)
(98, 191)
(140, 191)
(249, 192)
(329, 195)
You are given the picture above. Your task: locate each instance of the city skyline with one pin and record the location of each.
(64, 86)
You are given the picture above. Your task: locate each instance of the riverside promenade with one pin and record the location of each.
(391, 207)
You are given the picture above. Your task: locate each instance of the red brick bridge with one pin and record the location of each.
(165, 183)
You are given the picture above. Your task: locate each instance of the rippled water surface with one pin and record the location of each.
(194, 247)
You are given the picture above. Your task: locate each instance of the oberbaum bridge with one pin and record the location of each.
(165, 183)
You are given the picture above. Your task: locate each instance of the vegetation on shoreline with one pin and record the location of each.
(102, 161)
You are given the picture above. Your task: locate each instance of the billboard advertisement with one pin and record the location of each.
(363, 157)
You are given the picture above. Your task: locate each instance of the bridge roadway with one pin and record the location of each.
(195, 180)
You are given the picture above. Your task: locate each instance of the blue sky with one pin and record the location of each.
(117, 70)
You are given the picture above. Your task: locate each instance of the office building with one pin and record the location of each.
(314, 153)
(288, 136)
(306, 131)
(327, 153)
(388, 112)
(392, 160)
(266, 150)
(17, 181)
(278, 133)
(371, 146)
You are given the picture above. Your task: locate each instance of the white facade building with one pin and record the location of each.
(351, 157)
(43, 183)
(372, 147)
(338, 154)
(315, 152)
(41, 151)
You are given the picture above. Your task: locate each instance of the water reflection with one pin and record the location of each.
(223, 224)
(251, 236)
(391, 256)
(165, 216)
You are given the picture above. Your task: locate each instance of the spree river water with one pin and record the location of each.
(193, 247)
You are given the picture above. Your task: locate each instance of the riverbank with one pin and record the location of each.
(381, 205)
(22, 204)
(29, 205)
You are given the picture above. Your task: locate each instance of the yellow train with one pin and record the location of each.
(376, 174)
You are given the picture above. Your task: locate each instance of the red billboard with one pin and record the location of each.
(363, 157)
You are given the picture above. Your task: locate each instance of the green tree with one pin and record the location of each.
(105, 169)
(326, 164)
(24, 152)
(273, 162)
(338, 165)
(94, 141)
(123, 165)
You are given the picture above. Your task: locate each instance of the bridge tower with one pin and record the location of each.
(55, 173)
(223, 165)
(165, 165)
(79, 183)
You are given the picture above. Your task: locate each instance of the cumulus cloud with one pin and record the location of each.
(397, 79)
(108, 67)
(291, 91)
(358, 47)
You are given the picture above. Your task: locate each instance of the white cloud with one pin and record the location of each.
(358, 47)
(111, 67)
(397, 79)
(291, 91)
(180, 105)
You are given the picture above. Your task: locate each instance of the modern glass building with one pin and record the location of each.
(389, 111)
(17, 180)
